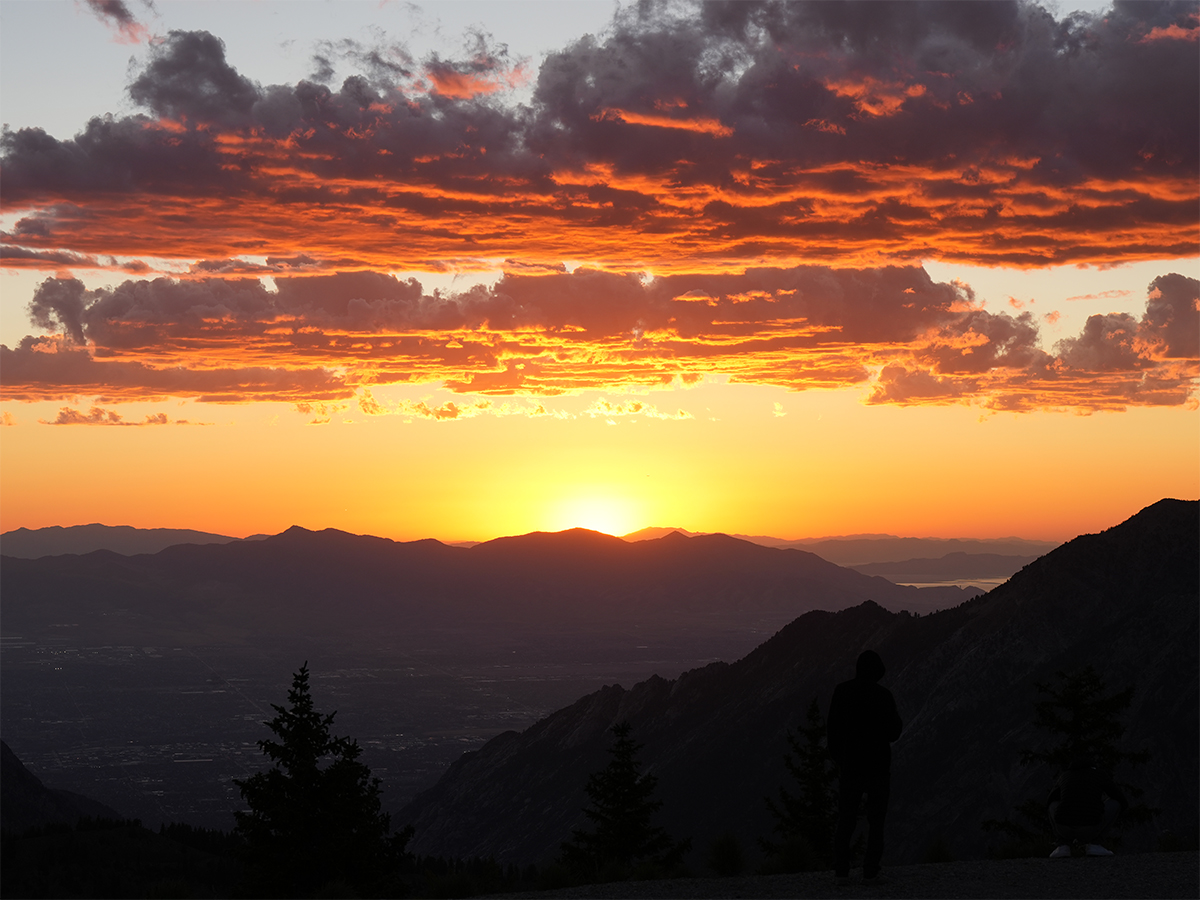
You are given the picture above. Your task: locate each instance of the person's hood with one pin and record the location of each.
(869, 666)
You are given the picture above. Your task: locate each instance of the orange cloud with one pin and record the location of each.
(1174, 32)
(328, 339)
(702, 126)
(462, 85)
(875, 97)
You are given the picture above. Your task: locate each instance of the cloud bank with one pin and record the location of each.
(990, 133)
(330, 337)
(780, 168)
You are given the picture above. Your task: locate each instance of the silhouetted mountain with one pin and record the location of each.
(951, 567)
(26, 802)
(856, 551)
(336, 584)
(863, 551)
(56, 540)
(1124, 601)
(653, 534)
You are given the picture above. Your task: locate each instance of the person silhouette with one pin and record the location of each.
(861, 726)
(1083, 806)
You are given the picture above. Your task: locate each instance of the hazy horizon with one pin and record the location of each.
(623, 536)
(479, 269)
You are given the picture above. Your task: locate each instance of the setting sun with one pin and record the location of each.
(593, 510)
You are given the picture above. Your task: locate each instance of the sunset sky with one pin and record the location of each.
(468, 269)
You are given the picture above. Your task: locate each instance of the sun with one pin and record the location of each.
(610, 514)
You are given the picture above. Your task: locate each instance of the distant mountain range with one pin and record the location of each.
(56, 540)
(331, 584)
(951, 567)
(923, 560)
(866, 549)
(1126, 601)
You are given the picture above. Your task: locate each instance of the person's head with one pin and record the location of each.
(869, 666)
(1081, 762)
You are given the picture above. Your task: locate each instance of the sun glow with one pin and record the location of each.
(596, 511)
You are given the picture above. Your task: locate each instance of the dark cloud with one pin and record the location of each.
(1172, 319)
(898, 384)
(132, 155)
(984, 132)
(274, 264)
(44, 369)
(60, 302)
(385, 64)
(765, 160)
(978, 341)
(890, 304)
(117, 15)
(99, 416)
(1107, 343)
(188, 79)
(20, 257)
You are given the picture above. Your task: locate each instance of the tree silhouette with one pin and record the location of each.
(620, 812)
(805, 820)
(1084, 722)
(310, 825)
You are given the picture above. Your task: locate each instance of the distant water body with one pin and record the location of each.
(984, 584)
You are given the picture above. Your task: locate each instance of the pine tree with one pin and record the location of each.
(1084, 722)
(621, 808)
(805, 820)
(315, 816)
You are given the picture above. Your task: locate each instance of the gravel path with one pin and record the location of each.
(1149, 875)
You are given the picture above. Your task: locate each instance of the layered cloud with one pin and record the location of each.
(780, 168)
(893, 331)
(722, 135)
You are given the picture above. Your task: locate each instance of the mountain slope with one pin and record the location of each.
(1124, 601)
(26, 802)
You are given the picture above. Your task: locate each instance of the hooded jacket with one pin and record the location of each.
(863, 720)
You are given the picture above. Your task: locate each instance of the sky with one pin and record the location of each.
(468, 269)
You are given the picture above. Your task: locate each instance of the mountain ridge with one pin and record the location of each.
(59, 540)
(312, 581)
(866, 549)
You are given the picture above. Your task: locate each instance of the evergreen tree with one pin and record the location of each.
(621, 807)
(805, 820)
(1084, 722)
(315, 817)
